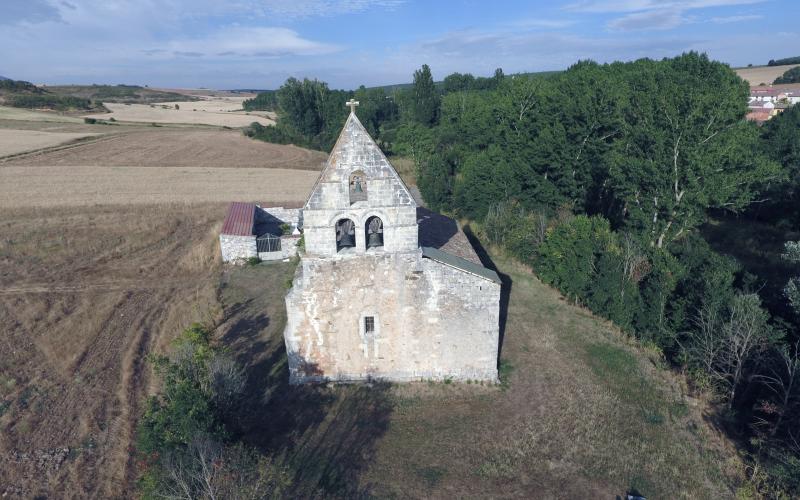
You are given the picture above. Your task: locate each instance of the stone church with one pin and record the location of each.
(386, 289)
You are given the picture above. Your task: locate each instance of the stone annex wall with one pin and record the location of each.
(237, 248)
(432, 321)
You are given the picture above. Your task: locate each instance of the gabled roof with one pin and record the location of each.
(459, 263)
(240, 219)
(356, 150)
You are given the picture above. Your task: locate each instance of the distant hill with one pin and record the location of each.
(22, 94)
(126, 94)
(4, 78)
(757, 75)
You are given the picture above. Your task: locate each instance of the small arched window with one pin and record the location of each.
(345, 234)
(357, 186)
(374, 232)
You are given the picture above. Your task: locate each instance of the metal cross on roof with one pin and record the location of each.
(352, 103)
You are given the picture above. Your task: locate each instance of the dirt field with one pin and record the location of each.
(219, 111)
(88, 185)
(18, 141)
(85, 294)
(160, 165)
(178, 147)
(763, 74)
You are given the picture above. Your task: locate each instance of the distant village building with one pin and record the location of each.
(385, 289)
(767, 101)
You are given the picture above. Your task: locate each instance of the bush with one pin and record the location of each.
(568, 257)
(253, 261)
(182, 439)
(90, 121)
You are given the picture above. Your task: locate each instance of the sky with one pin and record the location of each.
(257, 44)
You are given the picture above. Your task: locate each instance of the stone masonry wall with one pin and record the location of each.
(432, 321)
(237, 248)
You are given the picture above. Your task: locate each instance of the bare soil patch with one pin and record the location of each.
(85, 295)
(763, 74)
(179, 147)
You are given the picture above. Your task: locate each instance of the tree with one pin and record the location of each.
(425, 97)
(792, 289)
(790, 76)
(685, 148)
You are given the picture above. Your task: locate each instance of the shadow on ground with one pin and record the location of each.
(325, 436)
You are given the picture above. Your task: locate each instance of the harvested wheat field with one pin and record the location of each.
(214, 112)
(757, 75)
(85, 295)
(87, 185)
(179, 147)
(18, 141)
(8, 113)
(161, 165)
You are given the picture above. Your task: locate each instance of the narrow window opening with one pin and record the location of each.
(369, 324)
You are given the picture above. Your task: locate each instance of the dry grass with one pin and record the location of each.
(763, 74)
(219, 111)
(582, 414)
(8, 113)
(18, 141)
(86, 293)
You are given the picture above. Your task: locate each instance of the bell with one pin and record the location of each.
(346, 240)
(375, 240)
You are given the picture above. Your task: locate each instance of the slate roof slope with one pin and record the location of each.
(240, 219)
(441, 232)
(356, 150)
(459, 263)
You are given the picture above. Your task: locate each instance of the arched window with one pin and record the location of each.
(345, 234)
(357, 186)
(374, 232)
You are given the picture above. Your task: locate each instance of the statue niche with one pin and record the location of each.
(374, 232)
(357, 187)
(345, 234)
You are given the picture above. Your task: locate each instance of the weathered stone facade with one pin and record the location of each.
(237, 248)
(381, 307)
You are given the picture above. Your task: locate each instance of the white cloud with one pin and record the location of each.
(612, 6)
(648, 20)
(311, 8)
(242, 41)
(735, 19)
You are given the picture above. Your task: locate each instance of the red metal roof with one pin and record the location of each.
(240, 219)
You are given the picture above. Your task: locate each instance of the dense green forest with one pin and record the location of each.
(782, 62)
(630, 188)
(790, 76)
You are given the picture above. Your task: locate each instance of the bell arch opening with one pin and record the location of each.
(357, 186)
(345, 234)
(373, 230)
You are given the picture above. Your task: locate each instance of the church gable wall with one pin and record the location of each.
(431, 321)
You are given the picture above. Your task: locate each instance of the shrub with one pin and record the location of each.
(568, 257)
(253, 261)
(90, 121)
